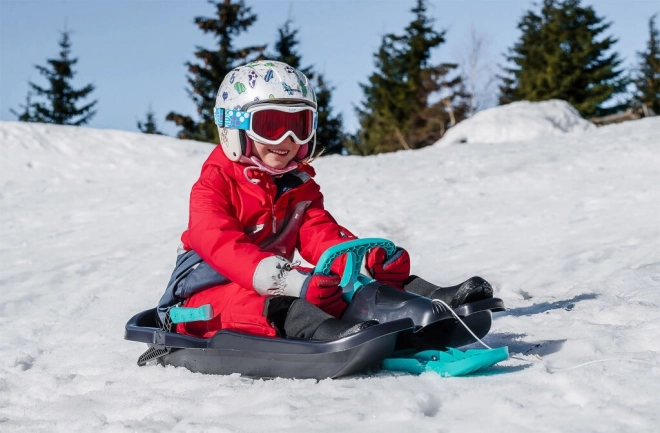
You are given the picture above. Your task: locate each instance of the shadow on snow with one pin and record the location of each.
(517, 343)
(566, 304)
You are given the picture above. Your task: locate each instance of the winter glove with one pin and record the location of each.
(393, 271)
(320, 290)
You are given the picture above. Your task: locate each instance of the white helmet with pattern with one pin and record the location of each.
(252, 87)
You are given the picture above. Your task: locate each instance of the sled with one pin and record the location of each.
(229, 352)
(407, 323)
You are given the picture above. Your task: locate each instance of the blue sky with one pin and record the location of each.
(134, 50)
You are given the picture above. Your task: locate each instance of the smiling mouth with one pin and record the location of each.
(279, 152)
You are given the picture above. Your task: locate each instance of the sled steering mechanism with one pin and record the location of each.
(352, 280)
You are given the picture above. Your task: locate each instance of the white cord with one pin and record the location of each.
(438, 301)
(553, 370)
(451, 310)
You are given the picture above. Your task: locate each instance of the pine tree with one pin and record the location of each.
(329, 132)
(285, 48)
(560, 56)
(231, 19)
(28, 114)
(61, 98)
(647, 79)
(409, 102)
(149, 125)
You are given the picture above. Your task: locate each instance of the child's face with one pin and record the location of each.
(278, 155)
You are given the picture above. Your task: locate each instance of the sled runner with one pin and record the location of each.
(408, 323)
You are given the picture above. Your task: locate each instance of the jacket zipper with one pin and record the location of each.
(273, 205)
(274, 219)
(273, 222)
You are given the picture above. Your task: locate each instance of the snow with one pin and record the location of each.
(518, 121)
(565, 226)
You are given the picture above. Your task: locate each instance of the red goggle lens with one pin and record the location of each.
(273, 124)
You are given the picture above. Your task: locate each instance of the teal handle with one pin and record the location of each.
(355, 250)
(184, 314)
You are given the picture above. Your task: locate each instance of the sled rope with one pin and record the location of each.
(552, 370)
(451, 310)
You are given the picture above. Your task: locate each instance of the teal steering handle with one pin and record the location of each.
(355, 250)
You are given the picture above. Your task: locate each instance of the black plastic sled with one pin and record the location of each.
(230, 352)
(407, 323)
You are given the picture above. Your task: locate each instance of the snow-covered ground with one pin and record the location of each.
(566, 226)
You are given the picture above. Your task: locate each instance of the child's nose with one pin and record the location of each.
(289, 142)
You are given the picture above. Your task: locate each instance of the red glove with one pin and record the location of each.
(322, 290)
(393, 271)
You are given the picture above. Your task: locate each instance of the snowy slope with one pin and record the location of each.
(565, 226)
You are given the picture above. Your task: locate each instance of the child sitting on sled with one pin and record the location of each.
(255, 204)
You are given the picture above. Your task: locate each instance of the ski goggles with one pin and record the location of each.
(271, 123)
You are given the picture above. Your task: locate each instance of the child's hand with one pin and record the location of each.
(394, 271)
(321, 290)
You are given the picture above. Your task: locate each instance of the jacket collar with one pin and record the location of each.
(236, 170)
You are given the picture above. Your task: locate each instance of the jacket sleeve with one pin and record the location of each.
(319, 231)
(218, 237)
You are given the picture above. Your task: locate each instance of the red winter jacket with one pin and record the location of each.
(236, 225)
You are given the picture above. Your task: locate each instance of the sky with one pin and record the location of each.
(564, 225)
(134, 51)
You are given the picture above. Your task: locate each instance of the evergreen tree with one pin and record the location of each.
(560, 56)
(149, 126)
(647, 79)
(285, 48)
(409, 102)
(28, 114)
(329, 132)
(231, 19)
(61, 98)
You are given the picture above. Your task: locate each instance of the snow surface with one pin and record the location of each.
(565, 227)
(518, 121)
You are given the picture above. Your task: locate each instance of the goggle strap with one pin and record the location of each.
(218, 114)
(232, 119)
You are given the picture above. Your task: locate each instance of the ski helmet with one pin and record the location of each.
(250, 87)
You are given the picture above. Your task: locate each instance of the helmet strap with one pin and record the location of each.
(246, 147)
